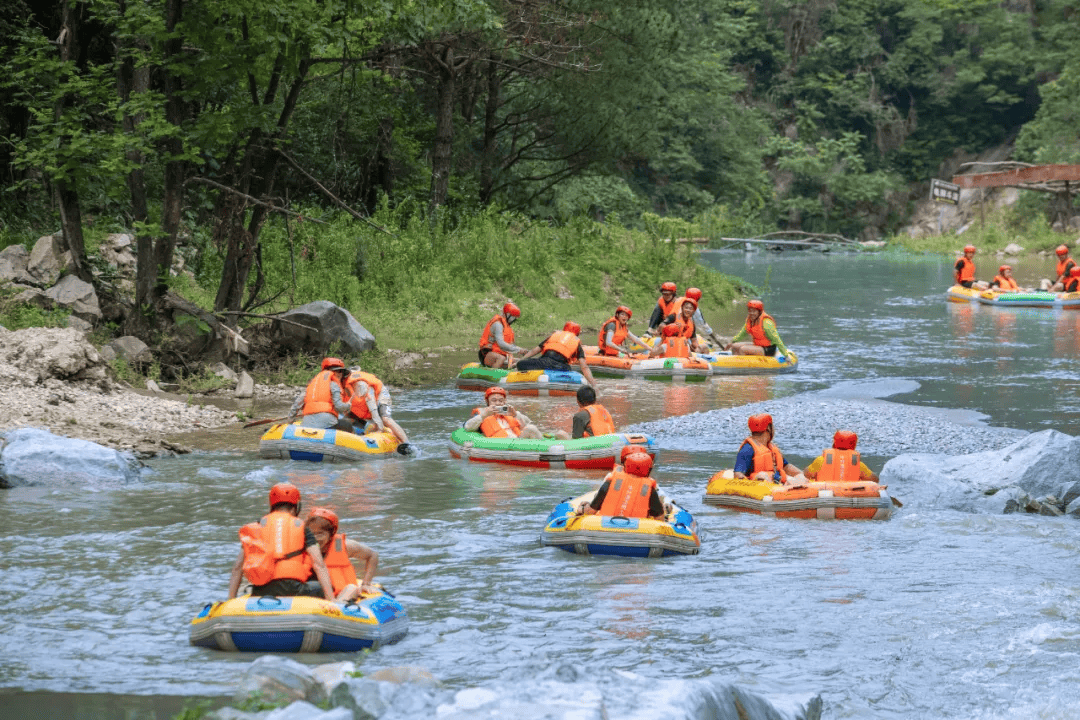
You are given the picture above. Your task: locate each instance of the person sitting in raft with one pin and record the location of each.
(338, 553)
(760, 328)
(323, 403)
(369, 401)
(629, 492)
(760, 459)
(614, 331)
(498, 419)
(1004, 281)
(680, 335)
(1062, 271)
(699, 319)
(665, 307)
(280, 547)
(841, 462)
(556, 352)
(497, 346)
(1073, 283)
(964, 270)
(593, 419)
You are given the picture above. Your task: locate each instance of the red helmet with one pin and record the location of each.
(1062, 250)
(1003, 268)
(694, 293)
(332, 364)
(638, 463)
(969, 248)
(844, 440)
(669, 287)
(1075, 271)
(623, 308)
(759, 423)
(572, 327)
(690, 300)
(511, 310)
(629, 450)
(494, 390)
(755, 305)
(670, 330)
(326, 514)
(284, 493)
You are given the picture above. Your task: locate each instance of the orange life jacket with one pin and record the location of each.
(487, 339)
(274, 549)
(618, 334)
(766, 457)
(1072, 284)
(1063, 268)
(676, 346)
(563, 342)
(839, 466)
(966, 273)
(339, 565)
(1006, 283)
(499, 425)
(627, 496)
(757, 330)
(599, 420)
(359, 402)
(318, 398)
(667, 308)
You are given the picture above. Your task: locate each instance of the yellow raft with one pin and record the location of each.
(861, 500)
(295, 442)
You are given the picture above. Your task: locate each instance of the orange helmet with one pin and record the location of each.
(572, 327)
(669, 287)
(326, 514)
(494, 390)
(1003, 268)
(694, 293)
(844, 440)
(755, 305)
(638, 463)
(332, 364)
(1075, 271)
(1062, 250)
(511, 310)
(629, 450)
(969, 248)
(669, 330)
(623, 308)
(760, 422)
(284, 493)
(690, 300)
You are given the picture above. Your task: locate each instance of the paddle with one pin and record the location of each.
(896, 502)
(266, 421)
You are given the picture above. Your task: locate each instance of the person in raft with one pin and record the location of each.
(556, 351)
(338, 553)
(593, 418)
(841, 462)
(760, 459)
(760, 329)
(1064, 267)
(699, 319)
(497, 348)
(964, 270)
(628, 492)
(614, 332)
(665, 307)
(679, 335)
(323, 402)
(1004, 281)
(498, 419)
(369, 401)
(280, 553)
(1073, 283)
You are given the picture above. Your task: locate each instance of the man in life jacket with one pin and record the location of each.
(498, 419)
(497, 346)
(1004, 281)
(338, 552)
(369, 401)
(1072, 284)
(628, 492)
(323, 402)
(614, 332)
(759, 458)
(760, 330)
(593, 419)
(841, 462)
(964, 270)
(292, 551)
(1062, 270)
(679, 337)
(665, 307)
(557, 351)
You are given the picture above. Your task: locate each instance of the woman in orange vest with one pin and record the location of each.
(1073, 283)
(556, 351)
(614, 332)
(760, 458)
(1062, 270)
(680, 334)
(290, 553)
(1004, 281)
(323, 401)
(593, 419)
(339, 552)
(964, 270)
(497, 419)
(665, 307)
(497, 346)
(629, 492)
(760, 329)
(841, 462)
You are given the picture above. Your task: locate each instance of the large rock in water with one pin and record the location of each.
(37, 457)
(322, 324)
(1040, 464)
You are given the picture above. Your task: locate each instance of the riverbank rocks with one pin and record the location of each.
(47, 262)
(31, 456)
(13, 260)
(77, 296)
(129, 349)
(34, 354)
(319, 325)
(276, 679)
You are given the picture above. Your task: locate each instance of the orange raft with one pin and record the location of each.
(822, 500)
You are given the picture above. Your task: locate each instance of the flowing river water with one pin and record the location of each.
(936, 613)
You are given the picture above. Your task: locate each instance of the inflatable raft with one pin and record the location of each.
(295, 442)
(628, 537)
(824, 501)
(474, 376)
(593, 453)
(692, 369)
(959, 293)
(299, 624)
(724, 363)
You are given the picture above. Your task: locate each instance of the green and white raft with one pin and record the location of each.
(475, 376)
(592, 453)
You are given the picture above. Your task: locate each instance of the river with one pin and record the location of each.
(933, 614)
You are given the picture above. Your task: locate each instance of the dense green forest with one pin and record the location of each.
(205, 122)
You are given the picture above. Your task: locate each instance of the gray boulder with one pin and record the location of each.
(278, 679)
(37, 457)
(77, 296)
(224, 372)
(245, 386)
(40, 353)
(131, 349)
(13, 260)
(47, 261)
(117, 250)
(319, 325)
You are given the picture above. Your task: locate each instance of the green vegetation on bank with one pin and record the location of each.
(1000, 227)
